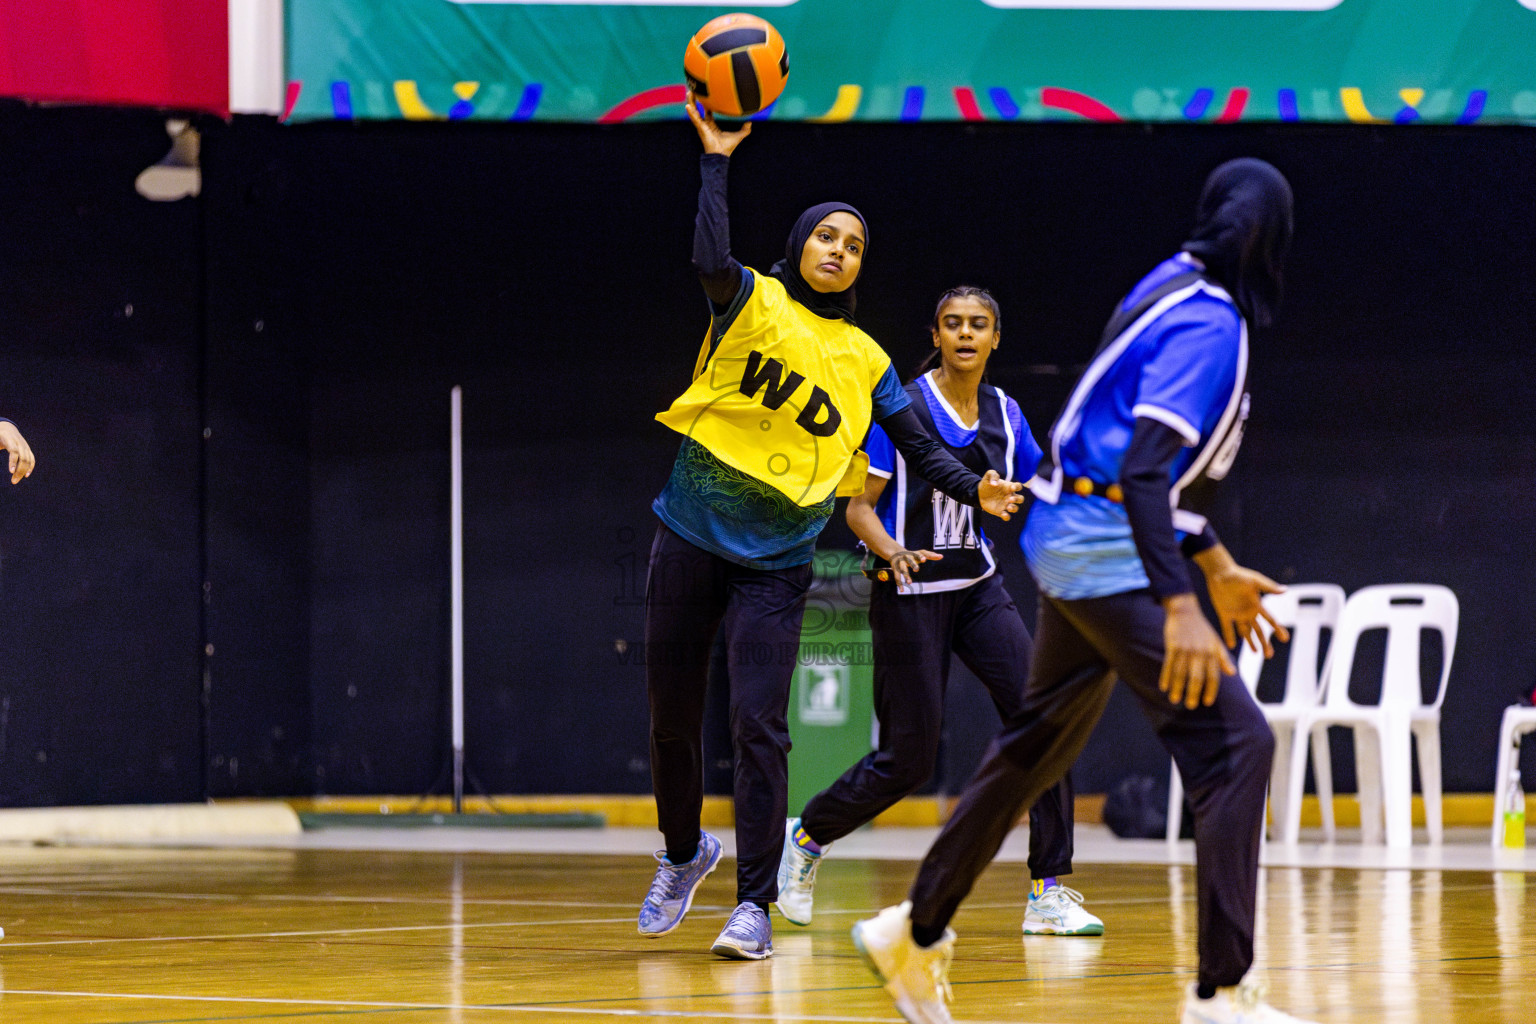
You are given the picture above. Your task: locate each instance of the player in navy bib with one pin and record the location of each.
(1150, 428)
(940, 593)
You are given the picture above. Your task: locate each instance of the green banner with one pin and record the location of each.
(1368, 61)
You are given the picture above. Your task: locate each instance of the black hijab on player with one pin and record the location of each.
(1242, 228)
(830, 305)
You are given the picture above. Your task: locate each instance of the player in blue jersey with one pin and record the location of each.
(957, 602)
(784, 390)
(1154, 422)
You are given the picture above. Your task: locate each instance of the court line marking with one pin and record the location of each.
(41, 890)
(568, 1008)
(227, 936)
(868, 987)
(729, 1015)
(382, 929)
(225, 1018)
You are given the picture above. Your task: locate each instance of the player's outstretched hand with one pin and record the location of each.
(1236, 595)
(998, 496)
(714, 138)
(1194, 661)
(905, 563)
(22, 460)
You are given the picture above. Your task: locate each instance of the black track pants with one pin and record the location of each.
(1223, 753)
(689, 595)
(913, 637)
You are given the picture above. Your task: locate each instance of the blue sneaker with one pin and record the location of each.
(673, 887)
(748, 935)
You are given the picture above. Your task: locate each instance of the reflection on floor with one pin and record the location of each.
(416, 926)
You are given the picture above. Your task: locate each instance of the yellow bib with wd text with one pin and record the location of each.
(785, 397)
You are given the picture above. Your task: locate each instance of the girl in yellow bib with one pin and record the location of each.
(784, 390)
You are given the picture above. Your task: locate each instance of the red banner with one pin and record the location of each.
(158, 53)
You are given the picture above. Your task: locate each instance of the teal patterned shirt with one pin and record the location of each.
(738, 517)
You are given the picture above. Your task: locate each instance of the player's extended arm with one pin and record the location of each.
(22, 460)
(931, 461)
(719, 271)
(1194, 659)
(865, 523)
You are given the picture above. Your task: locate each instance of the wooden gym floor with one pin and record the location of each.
(322, 936)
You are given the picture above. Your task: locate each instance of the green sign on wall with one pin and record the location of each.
(1371, 61)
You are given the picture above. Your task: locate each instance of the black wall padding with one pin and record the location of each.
(313, 309)
(99, 550)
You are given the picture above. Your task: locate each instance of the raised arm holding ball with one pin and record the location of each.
(784, 389)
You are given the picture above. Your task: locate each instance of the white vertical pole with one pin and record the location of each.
(456, 557)
(256, 72)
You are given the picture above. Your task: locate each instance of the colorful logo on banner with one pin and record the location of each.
(1039, 104)
(1211, 61)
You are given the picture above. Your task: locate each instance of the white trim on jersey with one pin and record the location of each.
(934, 387)
(900, 497)
(881, 473)
(1049, 491)
(941, 586)
(1185, 429)
(1189, 522)
(1234, 403)
(1013, 442)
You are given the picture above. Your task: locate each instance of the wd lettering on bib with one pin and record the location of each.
(820, 401)
(784, 396)
(765, 376)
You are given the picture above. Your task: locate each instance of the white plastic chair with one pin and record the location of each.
(1518, 721)
(1383, 756)
(1306, 609)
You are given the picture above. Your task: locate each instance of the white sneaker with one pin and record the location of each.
(797, 878)
(1241, 1004)
(915, 977)
(1059, 911)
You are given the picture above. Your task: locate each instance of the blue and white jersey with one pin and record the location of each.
(1183, 362)
(917, 515)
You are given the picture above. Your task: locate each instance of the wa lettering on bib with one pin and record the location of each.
(926, 518)
(954, 527)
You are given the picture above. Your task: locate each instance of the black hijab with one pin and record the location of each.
(1242, 229)
(830, 305)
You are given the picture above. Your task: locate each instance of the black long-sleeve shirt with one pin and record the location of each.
(1144, 476)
